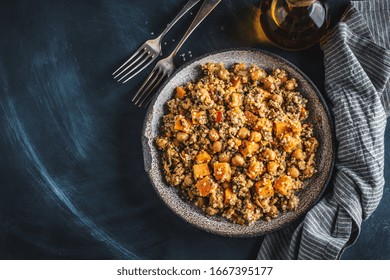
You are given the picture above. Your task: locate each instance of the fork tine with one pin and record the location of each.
(142, 49)
(152, 77)
(146, 89)
(144, 55)
(139, 70)
(127, 66)
(149, 94)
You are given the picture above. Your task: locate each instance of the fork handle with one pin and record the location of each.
(204, 10)
(183, 11)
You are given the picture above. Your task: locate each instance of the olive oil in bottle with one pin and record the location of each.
(294, 24)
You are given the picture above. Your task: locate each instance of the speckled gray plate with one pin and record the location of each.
(319, 116)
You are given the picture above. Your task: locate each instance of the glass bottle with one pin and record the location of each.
(294, 24)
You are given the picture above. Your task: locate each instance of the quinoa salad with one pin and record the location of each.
(237, 142)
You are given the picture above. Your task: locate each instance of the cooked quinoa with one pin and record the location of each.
(237, 142)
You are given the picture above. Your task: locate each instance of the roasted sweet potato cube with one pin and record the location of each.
(180, 92)
(182, 124)
(280, 128)
(284, 184)
(202, 157)
(250, 118)
(255, 169)
(263, 124)
(201, 170)
(264, 188)
(222, 171)
(205, 186)
(229, 196)
(249, 148)
(296, 126)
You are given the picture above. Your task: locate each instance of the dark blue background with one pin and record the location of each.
(72, 182)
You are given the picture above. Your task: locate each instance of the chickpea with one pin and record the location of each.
(223, 74)
(217, 146)
(224, 157)
(293, 172)
(161, 143)
(269, 154)
(277, 98)
(309, 171)
(238, 160)
(257, 74)
(291, 84)
(298, 154)
(255, 136)
(182, 136)
(269, 83)
(188, 181)
(213, 135)
(272, 167)
(243, 133)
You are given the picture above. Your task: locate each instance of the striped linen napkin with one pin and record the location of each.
(357, 83)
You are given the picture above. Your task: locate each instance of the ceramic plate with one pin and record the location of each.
(319, 117)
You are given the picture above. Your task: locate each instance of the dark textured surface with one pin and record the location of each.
(319, 117)
(72, 181)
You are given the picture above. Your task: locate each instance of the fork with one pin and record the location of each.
(165, 67)
(149, 51)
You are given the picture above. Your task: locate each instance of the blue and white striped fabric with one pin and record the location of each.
(357, 83)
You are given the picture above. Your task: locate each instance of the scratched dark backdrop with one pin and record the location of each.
(72, 183)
